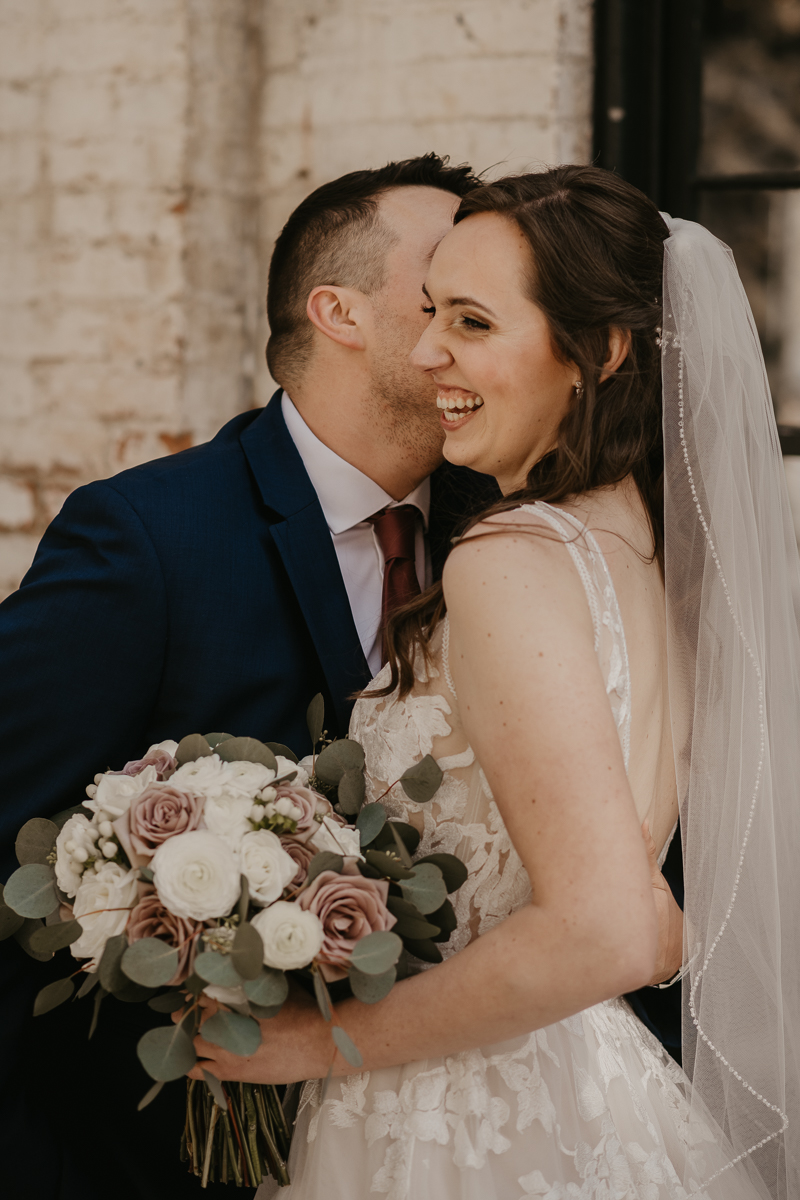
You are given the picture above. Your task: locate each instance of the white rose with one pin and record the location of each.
(267, 866)
(228, 817)
(80, 835)
(114, 793)
(339, 839)
(292, 937)
(287, 767)
(169, 747)
(205, 776)
(305, 767)
(111, 887)
(247, 778)
(196, 875)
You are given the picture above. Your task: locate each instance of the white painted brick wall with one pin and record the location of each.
(150, 151)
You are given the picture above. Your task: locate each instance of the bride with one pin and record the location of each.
(614, 640)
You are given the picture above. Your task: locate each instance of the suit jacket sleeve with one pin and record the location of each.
(81, 652)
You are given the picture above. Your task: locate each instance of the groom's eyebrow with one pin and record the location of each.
(454, 301)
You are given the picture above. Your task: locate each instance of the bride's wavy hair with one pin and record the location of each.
(596, 263)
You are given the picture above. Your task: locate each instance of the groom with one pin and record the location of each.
(221, 589)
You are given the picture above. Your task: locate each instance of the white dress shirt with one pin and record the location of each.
(348, 498)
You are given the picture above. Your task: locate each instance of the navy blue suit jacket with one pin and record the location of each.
(199, 592)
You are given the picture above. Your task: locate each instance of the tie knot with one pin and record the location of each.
(396, 530)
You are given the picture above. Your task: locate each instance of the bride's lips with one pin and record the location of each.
(457, 407)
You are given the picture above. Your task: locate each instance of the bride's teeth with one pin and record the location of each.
(470, 402)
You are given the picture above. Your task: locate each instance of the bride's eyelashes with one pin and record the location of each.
(474, 323)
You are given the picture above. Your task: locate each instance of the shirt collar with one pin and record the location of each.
(347, 496)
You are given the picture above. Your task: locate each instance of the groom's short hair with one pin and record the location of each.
(336, 236)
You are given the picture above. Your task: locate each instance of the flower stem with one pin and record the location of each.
(209, 1144)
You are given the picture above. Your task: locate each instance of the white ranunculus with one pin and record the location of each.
(228, 817)
(287, 767)
(80, 836)
(102, 891)
(266, 865)
(305, 767)
(169, 747)
(292, 937)
(247, 778)
(204, 776)
(196, 875)
(339, 839)
(115, 792)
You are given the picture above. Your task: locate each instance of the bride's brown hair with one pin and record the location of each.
(596, 263)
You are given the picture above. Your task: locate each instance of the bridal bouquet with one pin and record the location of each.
(220, 867)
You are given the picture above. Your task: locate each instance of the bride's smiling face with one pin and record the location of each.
(502, 391)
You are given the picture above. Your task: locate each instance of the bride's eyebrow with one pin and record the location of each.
(454, 301)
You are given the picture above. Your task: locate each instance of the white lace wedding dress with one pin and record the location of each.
(591, 1107)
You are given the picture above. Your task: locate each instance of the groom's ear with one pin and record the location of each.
(339, 313)
(619, 343)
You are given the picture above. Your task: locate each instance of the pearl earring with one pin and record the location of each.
(578, 385)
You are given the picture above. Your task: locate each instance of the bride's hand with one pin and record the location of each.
(670, 917)
(295, 1045)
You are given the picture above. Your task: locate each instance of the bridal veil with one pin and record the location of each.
(733, 605)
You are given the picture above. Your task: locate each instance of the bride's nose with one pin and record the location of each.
(429, 354)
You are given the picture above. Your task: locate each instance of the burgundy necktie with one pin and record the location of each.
(396, 530)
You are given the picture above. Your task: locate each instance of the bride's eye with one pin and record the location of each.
(473, 323)
(430, 309)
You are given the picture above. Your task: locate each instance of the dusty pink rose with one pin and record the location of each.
(162, 760)
(310, 804)
(151, 919)
(349, 907)
(302, 853)
(160, 812)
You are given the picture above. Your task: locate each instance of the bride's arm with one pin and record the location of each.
(533, 701)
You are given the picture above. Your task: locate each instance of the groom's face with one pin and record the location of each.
(402, 399)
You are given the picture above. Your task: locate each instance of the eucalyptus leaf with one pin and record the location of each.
(426, 889)
(31, 890)
(192, 747)
(445, 918)
(388, 864)
(99, 997)
(247, 952)
(214, 739)
(134, 993)
(264, 1012)
(150, 962)
(217, 969)
(245, 749)
(56, 937)
(410, 921)
(10, 922)
(350, 792)
(332, 762)
(281, 751)
(167, 1002)
(323, 998)
(146, 875)
(244, 899)
(35, 841)
(315, 716)
(112, 977)
(233, 1032)
(386, 837)
(421, 782)
(371, 821)
(400, 846)
(23, 938)
(166, 1052)
(269, 989)
(369, 989)
(346, 1047)
(53, 995)
(367, 871)
(89, 982)
(376, 953)
(326, 860)
(425, 949)
(194, 984)
(453, 870)
(150, 1095)
(215, 1087)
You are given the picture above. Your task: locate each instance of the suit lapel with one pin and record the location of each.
(304, 543)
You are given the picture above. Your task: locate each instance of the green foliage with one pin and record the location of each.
(112, 977)
(217, 969)
(167, 1052)
(245, 749)
(445, 918)
(231, 1031)
(53, 995)
(244, 899)
(421, 782)
(371, 821)
(10, 921)
(425, 949)
(453, 870)
(215, 1087)
(214, 739)
(89, 982)
(387, 864)
(350, 792)
(35, 841)
(323, 998)
(346, 1047)
(369, 989)
(410, 921)
(99, 997)
(279, 750)
(315, 715)
(31, 890)
(247, 952)
(407, 832)
(376, 953)
(334, 760)
(167, 1002)
(23, 939)
(268, 990)
(399, 845)
(150, 1095)
(326, 860)
(56, 937)
(150, 962)
(426, 888)
(192, 747)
